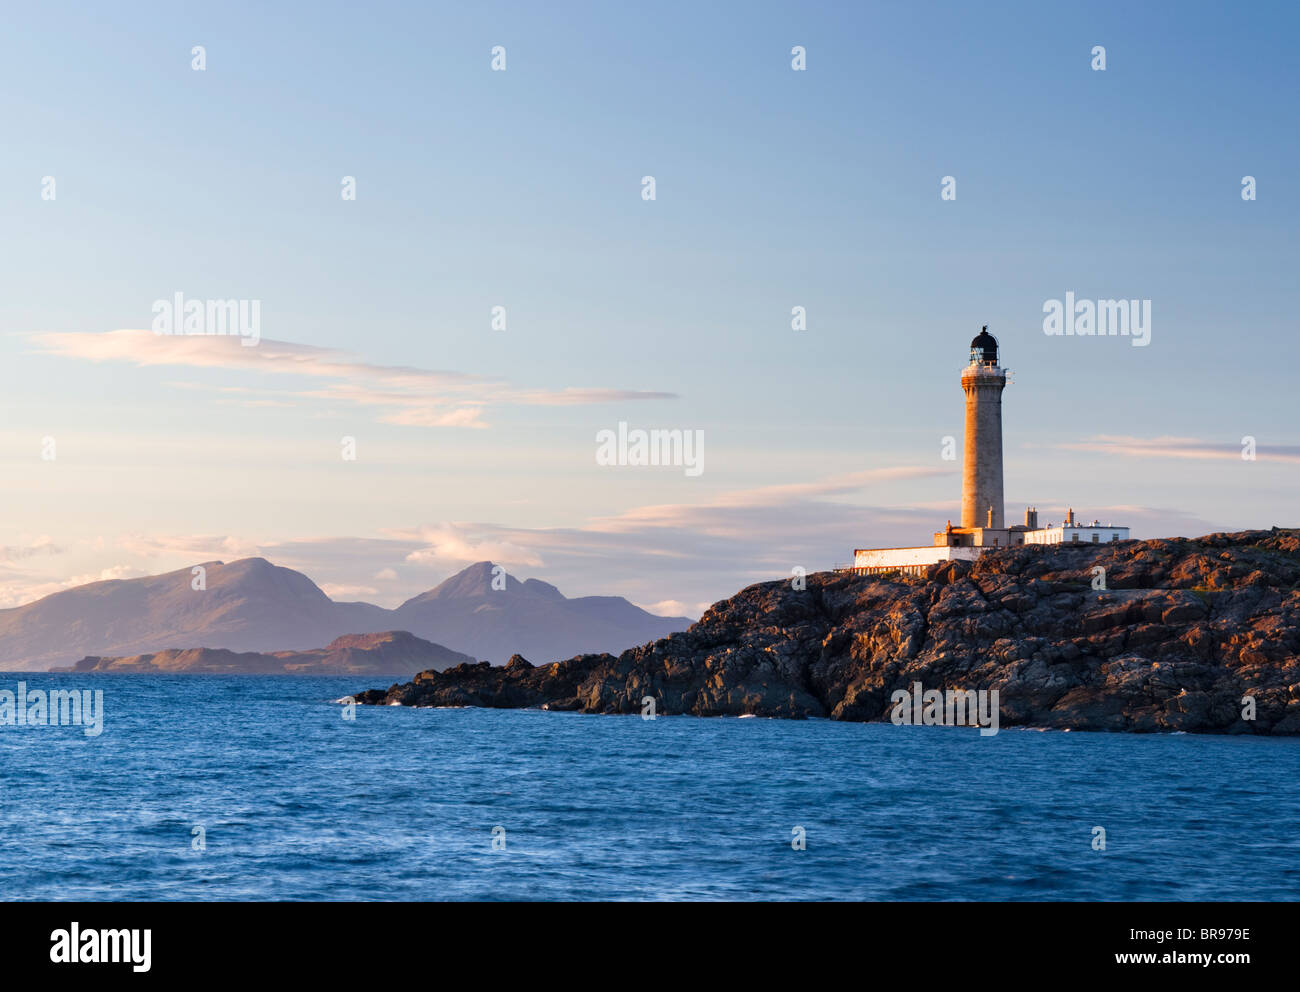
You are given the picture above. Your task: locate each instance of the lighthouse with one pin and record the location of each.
(983, 521)
(981, 477)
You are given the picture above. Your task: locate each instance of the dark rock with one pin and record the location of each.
(1184, 630)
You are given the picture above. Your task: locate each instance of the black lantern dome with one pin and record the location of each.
(984, 349)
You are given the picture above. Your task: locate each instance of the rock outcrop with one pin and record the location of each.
(1180, 633)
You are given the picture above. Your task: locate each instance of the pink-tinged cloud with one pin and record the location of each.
(1182, 447)
(43, 545)
(28, 589)
(346, 592)
(406, 396)
(723, 509)
(206, 547)
(455, 544)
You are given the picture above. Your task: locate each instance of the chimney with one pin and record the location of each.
(1069, 517)
(990, 523)
(1031, 518)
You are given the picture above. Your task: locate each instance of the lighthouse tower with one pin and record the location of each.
(983, 526)
(981, 479)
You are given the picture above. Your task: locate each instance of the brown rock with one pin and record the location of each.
(1183, 631)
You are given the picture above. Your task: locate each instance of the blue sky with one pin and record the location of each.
(522, 188)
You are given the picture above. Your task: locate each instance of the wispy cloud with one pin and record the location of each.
(785, 495)
(208, 547)
(43, 545)
(17, 590)
(1180, 447)
(402, 394)
(346, 592)
(452, 543)
(674, 608)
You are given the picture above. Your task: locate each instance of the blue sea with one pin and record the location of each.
(292, 801)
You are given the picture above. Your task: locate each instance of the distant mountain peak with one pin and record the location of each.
(482, 579)
(536, 587)
(475, 582)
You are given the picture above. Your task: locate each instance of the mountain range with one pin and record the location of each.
(251, 605)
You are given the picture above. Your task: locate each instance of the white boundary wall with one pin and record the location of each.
(911, 559)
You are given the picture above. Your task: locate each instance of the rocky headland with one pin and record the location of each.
(1182, 631)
